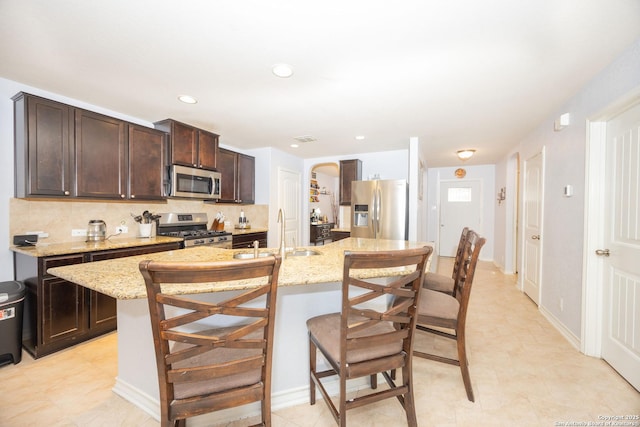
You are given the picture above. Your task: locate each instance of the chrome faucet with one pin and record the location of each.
(281, 219)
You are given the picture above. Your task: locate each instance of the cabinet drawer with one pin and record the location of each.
(59, 261)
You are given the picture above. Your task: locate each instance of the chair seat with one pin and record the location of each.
(323, 329)
(438, 309)
(215, 357)
(438, 282)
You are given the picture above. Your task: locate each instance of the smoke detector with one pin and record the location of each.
(305, 138)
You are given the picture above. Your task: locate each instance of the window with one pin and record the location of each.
(459, 194)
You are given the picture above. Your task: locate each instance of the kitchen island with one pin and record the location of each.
(308, 286)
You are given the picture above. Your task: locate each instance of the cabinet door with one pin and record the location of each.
(246, 179)
(103, 312)
(43, 147)
(350, 170)
(146, 163)
(184, 144)
(100, 156)
(207, 149)
(227, 165)
(64, 314)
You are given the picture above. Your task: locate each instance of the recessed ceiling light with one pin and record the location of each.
(282, 70)
(360, 137)
(188, 99)
(294, 145)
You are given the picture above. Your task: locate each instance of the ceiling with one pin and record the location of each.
(456, 74)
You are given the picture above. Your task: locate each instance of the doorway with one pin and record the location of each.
(460, 206)
(532, 247)
(323, 194)
(289, 190)
(611, 314)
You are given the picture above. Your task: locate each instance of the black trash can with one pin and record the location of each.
(11, 306)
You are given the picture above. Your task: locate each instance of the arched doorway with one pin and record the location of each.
(323, 192)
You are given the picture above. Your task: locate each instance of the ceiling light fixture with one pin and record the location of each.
(294, 146)
(282, 70)
(465, 154)
(188, 99)
(360, 137)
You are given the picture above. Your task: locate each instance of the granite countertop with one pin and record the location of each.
(121, 278)
(65, 248)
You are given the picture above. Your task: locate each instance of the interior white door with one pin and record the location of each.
(289, 185)
(460, 206)
(621, 249)
(532, 248)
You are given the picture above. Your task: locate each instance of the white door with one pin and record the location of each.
(621, 281)
(460, 206)
(532, 248)
(289, 185)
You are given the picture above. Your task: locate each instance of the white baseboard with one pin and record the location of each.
(573, 340)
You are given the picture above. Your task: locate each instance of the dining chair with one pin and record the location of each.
(373, 333)
(442, 282)
(446, 315)
(212, 356)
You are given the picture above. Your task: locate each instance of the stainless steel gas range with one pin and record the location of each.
(192, 227)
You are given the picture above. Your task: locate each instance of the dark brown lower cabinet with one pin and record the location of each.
(58, 313)
(241, 241)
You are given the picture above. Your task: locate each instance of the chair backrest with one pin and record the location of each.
(459, 253)
(464, 281)
(212, 356)
(375, 306)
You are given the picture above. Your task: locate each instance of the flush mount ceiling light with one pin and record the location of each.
(188, 99)
(360, 137)
(282, 70)
(294, 146)
(465, 154)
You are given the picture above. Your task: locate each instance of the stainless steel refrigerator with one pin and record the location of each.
(379, 209)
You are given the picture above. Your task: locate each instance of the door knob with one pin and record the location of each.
(602, 252)
(536, 237)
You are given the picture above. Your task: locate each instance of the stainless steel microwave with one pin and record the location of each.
(194, 183)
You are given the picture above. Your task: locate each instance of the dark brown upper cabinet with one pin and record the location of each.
(147, 163)
(190, 146)
(350, 170)
(44, 147)
(238, 177)
(101, 144)
(66, 151)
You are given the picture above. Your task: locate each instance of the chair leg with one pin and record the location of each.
(409, 403)
(312, 370)
(464, 367)
(374, 381)
(266, 409)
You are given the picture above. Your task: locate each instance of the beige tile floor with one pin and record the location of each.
(524, 373)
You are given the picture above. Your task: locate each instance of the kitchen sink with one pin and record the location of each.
(250, 255)
(304, 252)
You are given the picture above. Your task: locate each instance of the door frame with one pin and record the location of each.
(592, 266)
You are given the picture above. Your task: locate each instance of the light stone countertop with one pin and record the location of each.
(121, 278)
(66, 248)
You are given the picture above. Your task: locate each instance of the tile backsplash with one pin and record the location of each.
(58, 218)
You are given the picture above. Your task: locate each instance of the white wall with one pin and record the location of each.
(565, 151)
